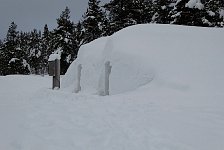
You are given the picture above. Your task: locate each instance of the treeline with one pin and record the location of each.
(28, 52)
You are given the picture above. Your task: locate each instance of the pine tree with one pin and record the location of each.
(118, 15)
(136, 10)
(79, 34)
(62, 39)
(185, 14)
(123, 13)
(162, 10)
(148, 11)
(106, 31)
(1, 43)
(93, 21)
(77, 39)
(34, 53)
(2, 60)
(213, 16)
(13, 55)
(24, 40)
(46, 49)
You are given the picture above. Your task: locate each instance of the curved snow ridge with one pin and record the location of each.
(178, 57)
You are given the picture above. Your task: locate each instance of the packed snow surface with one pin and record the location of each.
(174, 103)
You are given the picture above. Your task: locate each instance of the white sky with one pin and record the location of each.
(30, 14)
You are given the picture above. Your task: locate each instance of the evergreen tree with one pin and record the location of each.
(79, 34)
(77, 39)
(24, 40)
(214, 8)
(106, 31)
(46, 49)
(93, 21)
(62, 39)
(123, 13)
(137, 9)
(148, 11)
(13, 55)
(118, 15)
(35, 52)
(185, 14)
(162, 9)
(1, 43)
(2, 60)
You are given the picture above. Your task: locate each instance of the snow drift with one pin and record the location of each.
(180, 58)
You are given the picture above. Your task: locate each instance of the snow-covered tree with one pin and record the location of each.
(118, 15)
(24, 45)
(62, 40)
(123, 13)
(35, 52)
(136, 11)
(215, 13)
(162, 10)
(46, 49)
(2, 60)
(13, 56)
(77, 38)
(24, 39)
(79, 34)
(93, 21)
(188, 12)
(148, 11)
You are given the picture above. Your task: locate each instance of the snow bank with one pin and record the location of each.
(175, 57)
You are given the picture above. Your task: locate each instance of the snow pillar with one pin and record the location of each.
(107, 75)
(56, 77)
(78, 85)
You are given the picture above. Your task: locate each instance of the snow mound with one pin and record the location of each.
(175, 57)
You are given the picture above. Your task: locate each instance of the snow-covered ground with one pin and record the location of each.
(175, 103)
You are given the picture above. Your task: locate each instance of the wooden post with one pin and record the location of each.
(56, 77)
(107, 75)
(78, 85)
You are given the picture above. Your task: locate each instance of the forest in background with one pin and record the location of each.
(28, 52)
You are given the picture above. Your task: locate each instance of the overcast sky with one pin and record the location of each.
(30, 14)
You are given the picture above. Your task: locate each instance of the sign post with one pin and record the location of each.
(54, 70)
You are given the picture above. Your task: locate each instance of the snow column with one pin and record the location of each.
(78, 85)
(107, 74)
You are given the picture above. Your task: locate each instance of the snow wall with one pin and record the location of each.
(169, 56)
